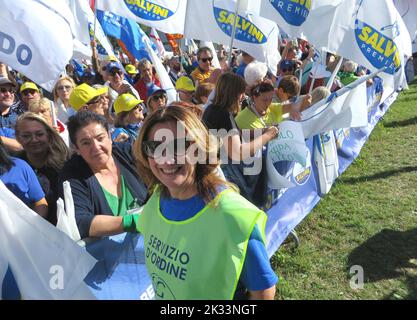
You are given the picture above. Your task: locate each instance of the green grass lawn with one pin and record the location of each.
(368, 219)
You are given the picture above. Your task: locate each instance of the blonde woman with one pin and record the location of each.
(62, 92)
(217, 234)
(46, 152)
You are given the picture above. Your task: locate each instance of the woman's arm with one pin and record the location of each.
(238, 151)
(267, 294)
(104, 225)
(41, 208)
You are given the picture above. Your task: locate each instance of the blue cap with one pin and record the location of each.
(114, 65)
(154, 89)
(89, 73)
(287, 64)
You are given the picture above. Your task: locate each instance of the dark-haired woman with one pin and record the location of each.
(20, 179)
(219, 116)
(103, 179)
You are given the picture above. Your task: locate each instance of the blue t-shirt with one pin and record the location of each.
(22, 181)
(257, 273)
(7, 132)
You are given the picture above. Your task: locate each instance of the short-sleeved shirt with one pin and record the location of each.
(7, 132)
(247, 119)
(22, 181)
(257, 273)
(200, 76)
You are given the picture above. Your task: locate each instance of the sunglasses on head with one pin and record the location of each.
(176, 147)
(206, 59)
(7, 89)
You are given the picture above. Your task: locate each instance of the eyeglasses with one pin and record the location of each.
(114, 72)
(176, 147)
(29, 92)
(94, 101)
(30, 136)
(60, 88)
(9, 90)
(159, 96)
(207, 59)
(139, 106)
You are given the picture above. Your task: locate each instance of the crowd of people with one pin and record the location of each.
(130, 154)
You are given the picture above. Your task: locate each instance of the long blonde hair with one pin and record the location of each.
(58, 152)
(206, 178)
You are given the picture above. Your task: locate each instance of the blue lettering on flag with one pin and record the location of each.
(148, 10)
(246, 31)
(8, 46)
(294, 12)
(380, 50)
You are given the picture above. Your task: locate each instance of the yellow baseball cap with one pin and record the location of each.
(29, 85)
(130, 69)
(185, 83)
(84, 93)
(111, 58)
(125, 102)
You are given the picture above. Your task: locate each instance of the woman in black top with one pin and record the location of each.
(237, 153)
(103, 179)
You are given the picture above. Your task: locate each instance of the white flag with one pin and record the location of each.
(372, 34)
(214, 20)
(45, 262)
(164, 78)
(310, 19)
(347, 109)
(85, 19)
(36, 38)
(164, 15)
(154, 36)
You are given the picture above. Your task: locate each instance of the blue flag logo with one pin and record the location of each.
(148, 10)
(245, 30)
(294, 12)
(380, 50)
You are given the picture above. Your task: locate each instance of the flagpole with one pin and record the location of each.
(233, 33)
(333, 76)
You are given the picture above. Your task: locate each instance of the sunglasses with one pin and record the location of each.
(94, 101)
(159, 96)
(60, 88)
(139, 106)
(29, 92)
(5, 89)
(114, 72)
(176, 147)
(207, 59)
(287, 70)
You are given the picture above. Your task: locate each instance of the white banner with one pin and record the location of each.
(154, 36)
(347, 110)
(36, 38)
(288, 146)
(85, 19)
(165, 15)
(214, 20)
(45, 262)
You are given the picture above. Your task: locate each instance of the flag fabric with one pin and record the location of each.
(310, 19)
(51, 267)
(408, 11)
(343, 109)
(154, 36)
(375, 41)
(214, 21)
(164, 15)
(36, 38)
(84, 32)
(126, 30)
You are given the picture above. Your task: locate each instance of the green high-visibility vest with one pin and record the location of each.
(202, 257)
